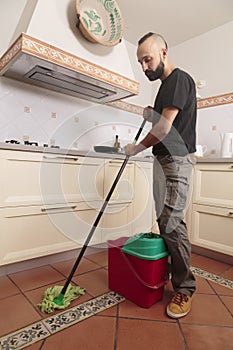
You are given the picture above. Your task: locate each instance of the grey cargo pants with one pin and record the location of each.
(171, 182)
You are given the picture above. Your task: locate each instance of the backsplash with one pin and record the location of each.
(34, 114)
(29, 113)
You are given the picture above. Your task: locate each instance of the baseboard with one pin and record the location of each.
(227, 259)
(48, 259)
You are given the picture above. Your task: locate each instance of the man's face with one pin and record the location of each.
(149, 56)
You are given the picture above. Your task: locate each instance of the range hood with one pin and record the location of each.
(36, 62)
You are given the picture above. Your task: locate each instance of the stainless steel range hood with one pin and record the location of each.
(33, 61)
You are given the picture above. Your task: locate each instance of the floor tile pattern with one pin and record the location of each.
(40, 330)
(117, 325)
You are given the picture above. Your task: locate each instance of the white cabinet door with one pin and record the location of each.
(212, 228)
(214, 184)
(34, 231)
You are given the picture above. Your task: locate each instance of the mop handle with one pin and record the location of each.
(99, 215)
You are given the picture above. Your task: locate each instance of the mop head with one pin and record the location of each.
(48, 304)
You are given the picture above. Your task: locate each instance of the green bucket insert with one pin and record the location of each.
(148, 246)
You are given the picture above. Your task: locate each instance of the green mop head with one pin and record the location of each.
(54, 300)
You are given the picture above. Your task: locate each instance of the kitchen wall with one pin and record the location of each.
(28, 112)
(39, 115)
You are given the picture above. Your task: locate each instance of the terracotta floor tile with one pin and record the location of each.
(210, 265)
(228, 301)
(16, 312)
(112, 311)
(100, 258)
(95, 282)
(7, 287)
(220, 289)
(35, 296)
(228, 274)
(37, 277)
(208, 310)
(65, 267)
(36, 346)
(144, 334)
(97, 332)
(207, 337)
(155, 312)
(203, 286)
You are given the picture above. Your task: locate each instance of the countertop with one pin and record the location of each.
(71, 152)
(83, 153)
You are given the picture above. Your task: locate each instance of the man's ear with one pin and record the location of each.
(164, 53)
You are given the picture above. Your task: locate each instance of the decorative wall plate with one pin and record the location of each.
(100, 21)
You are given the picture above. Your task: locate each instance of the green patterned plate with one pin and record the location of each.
(100, 21)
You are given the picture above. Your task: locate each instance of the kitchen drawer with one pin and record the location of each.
(212, 228)
(34, 178)
(214, 184)
(30, 232)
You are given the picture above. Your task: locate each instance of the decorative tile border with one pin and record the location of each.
(24, 337)
(50, 53)
(215, 101)
(202, 103)
(53, 324)
(213, 278)
(125, 106)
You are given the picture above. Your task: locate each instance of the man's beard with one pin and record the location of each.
(157, 73)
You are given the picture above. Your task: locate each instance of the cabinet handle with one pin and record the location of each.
(57, 208)
(61, 157)
(230, 213)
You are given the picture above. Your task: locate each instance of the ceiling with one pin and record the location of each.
(176, 20)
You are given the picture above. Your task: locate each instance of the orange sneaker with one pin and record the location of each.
(179, 306)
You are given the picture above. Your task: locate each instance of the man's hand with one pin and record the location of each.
(131, 149)
(148, 113)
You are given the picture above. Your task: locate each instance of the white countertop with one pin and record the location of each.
(83, 153)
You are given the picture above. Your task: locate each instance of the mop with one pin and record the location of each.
(59, 297)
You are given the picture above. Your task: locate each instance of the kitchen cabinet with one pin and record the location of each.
(212, 207)
(32, 178)
(30, 232)
(50, 201)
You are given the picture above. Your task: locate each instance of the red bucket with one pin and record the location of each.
(139, 280)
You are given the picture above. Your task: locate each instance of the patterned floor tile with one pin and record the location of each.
(212, 277)
(24, 337)
(50, 325)
(67, 318)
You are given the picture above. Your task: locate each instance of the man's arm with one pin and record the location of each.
(158, 132)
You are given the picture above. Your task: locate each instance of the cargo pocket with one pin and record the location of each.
(176, 193)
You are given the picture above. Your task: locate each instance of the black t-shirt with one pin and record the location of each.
(177, 90)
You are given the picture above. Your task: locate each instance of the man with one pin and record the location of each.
(173, 138)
